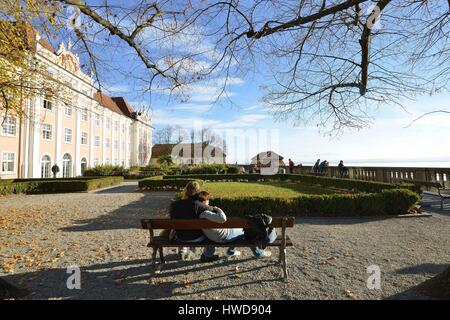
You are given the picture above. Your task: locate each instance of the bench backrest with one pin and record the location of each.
(193, 224)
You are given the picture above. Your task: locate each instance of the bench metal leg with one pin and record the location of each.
(161, 255)
(154, 257)
(285, 272)
(442, 204)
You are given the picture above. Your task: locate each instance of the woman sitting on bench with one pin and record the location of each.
(227, 235)
(190, 208)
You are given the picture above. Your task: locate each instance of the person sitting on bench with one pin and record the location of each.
(227, 235)
(190, 208)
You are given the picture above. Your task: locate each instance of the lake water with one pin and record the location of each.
(411, 164)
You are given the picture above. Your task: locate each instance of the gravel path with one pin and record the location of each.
(42, 235)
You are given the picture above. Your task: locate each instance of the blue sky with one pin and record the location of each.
(241, 109)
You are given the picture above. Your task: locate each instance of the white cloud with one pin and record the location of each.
(116, 89)
(192, 107)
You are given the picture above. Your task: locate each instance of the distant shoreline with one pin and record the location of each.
(400, 164)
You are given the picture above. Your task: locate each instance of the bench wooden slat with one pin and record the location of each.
(193, 224)
(164, 242)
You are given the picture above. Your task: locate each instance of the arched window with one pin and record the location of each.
(46, 166)
(83, 165)
(67, 166)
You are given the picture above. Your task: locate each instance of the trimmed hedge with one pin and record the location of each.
(349, 184)
(159, 184)
(387, 202)
(106, 170)
(33, 186)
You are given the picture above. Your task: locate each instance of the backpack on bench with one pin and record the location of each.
(260, 229)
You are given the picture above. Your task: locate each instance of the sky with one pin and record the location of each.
(249, 127)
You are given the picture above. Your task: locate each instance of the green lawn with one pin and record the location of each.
(262, 189)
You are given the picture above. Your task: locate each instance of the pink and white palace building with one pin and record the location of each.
(94, 129)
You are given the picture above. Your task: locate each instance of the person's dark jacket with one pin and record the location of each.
(188, 209)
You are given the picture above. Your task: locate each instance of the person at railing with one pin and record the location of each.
(343, 170)
(315, 169)
(323, 166)
(291, 166)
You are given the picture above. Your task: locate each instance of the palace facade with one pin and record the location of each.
(90, 130)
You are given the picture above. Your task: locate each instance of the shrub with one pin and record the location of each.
(165, 160)
(206, 169)
(105, 170)
(233, 170)
(348, 184)
(388, 202)
(157, 183)
(31, 186)
(158, 169)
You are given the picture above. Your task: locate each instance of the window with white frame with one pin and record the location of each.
(116, 162)
(8, 159)
(123, 145)
(97, 120)
(122, 163)
(68, 110)
(95, 161)
(84, 138)
(67, 135)
(108, 143)
(9, 127)
(46, 131)
(124, 128)
(107, 161)
(116, 126)
(84, 115)
(48, 104)
(108, 122)
(46, 164)
(97, 141)
(116, 144)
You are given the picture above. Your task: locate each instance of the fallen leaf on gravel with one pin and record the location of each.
(157, 281)
(186, 284)
(348, 254)
(350, 294)
(331, 258)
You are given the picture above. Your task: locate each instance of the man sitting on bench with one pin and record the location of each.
(227, 235)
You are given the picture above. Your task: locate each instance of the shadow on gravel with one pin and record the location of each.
(423, 268)
(337, 220)
(134, 279)
(124, 188)
(151, 204)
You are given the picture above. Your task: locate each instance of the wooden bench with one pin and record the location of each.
(158, 243)
(444, 194)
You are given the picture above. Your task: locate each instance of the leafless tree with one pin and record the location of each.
(163, 135)
(330, 61)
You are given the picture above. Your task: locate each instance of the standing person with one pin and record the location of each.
(316, 166)
(190, 208)
(343, 171)
(55, 170)
(323, 166)
(341, 168)
(291, 166)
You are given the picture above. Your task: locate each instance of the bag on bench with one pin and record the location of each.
(258, 234)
